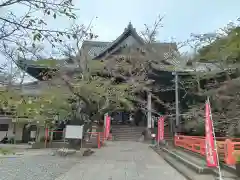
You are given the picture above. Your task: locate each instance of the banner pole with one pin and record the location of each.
(158, 131)
(158, 135)
(105, 124)
(215, 142)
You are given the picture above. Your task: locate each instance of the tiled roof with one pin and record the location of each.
(127, 32)
(161, 52)
(93, 48)
(165, 52)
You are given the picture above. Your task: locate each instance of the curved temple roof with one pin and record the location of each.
(98, 50)
(36, 70)
(127, 32)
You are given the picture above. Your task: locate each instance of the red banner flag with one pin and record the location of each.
(211, 154)
(160, 133)
(108, 123)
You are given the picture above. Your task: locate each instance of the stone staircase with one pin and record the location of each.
(168, 136)
(192, 166)
(127, 132)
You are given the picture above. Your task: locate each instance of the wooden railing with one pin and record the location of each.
(228, 148)
(232, 150)
(194, 144)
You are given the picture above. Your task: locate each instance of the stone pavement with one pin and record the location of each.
(122, 161)
(35, 166)
(16, 146)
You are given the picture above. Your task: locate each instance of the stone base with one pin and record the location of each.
(65, 151)
(68, 152)
(40, 145)
(87, 152)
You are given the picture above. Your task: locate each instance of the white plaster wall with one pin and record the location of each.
(19, 130)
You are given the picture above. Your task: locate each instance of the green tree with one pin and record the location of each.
(33, 109)
(18, 30)
(223, 47)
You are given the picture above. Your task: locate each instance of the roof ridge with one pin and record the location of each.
(95, 42)
(128, 29)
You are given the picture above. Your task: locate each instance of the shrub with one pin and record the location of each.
(5, 151)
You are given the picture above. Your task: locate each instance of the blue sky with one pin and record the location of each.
(181, 17)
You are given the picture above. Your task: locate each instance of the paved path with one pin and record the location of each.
(35, 166)
(122, 161)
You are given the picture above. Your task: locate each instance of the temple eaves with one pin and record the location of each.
(129, 31)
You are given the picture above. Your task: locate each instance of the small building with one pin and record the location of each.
(22, 129)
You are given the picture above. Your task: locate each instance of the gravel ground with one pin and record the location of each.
(39, 167)
(123, 161)
(116, 161)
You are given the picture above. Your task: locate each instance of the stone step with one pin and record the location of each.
(130, 133)
(127, 130)
(187, 172)
(192, 163)
(227, 174)
(188, 152)
(135, 133)
(127, 134)
(124, 132)
(126, 138)
(195, 163)
(132, 140)
(127, 127)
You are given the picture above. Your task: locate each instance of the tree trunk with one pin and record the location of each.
(227, 76)
(198, 86)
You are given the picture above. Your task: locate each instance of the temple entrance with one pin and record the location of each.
(120, 117)
(140, 118)
(137, 118)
